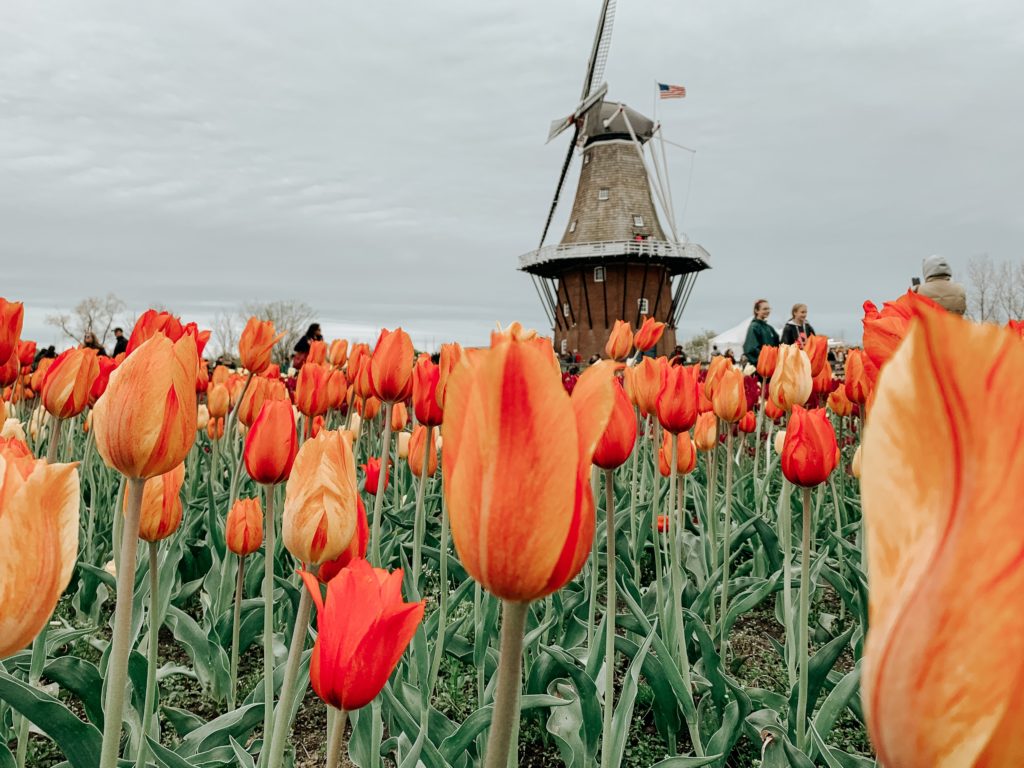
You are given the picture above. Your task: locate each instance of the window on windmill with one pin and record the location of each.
(572, 226)
(565, 308)
(598, 274)
(642, 306)
(565, 346)
(602, 194)
(638, 221)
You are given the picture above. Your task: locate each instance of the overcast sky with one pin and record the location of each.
(385, 161)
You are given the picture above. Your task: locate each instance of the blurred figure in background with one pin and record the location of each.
(120, 342)
(759, 333)
(89, 342)
(797, 328)
(939, 286)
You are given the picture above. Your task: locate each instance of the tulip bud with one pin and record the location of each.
(12, 315)
(399, 417)
(729, 400)
(644, 383)
(620, 341)
(766, 361)
(257, 344)
(145, 423)
(36, 380)
(371, 470)
(99, 384)
(426, 377)
(859, 381)
(160, 514)
(451, 355)
(719, 365)
(370, 408)
(779, 441)
(271, 444)
(648, 334)
(391, 366)
(402, 441)
(748, 423)
(686, 454)
(215, 428)
(202, 417)
(809, 451)
(677, 400)
(218, 400)
(839, 402)
(220, 376)
(663, 520)
(317, 353)
(705, 432)
(791, 384)
(320, 500)
(772, 411)
(417, 445)
(855, 464)
(338, 352)
(26, 352)
(69, 381)
(619, 437)
(337, 389)
(244, 528)
(816, 348)
(311, 396)
(354, 424)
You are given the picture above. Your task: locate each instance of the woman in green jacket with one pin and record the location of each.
(759, 333)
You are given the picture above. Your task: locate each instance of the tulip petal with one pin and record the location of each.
(942, 479)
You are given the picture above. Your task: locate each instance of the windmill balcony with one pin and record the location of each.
(679, 258)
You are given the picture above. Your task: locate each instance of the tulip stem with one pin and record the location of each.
(786, 542)
(229, 430)
(757, 438)
(712, 521)
(152, 656)
(442, 601)
(805, 595)
(283, 719)
(674, 559)
(632, 500)
(336, 736)
(506, 700)
(53, 447)
(236, 622)
(725, 544)
(378, 498)
(35, 671)
(656, 540)
(609, 618)
(120, 643)
(268, 619)
(419, 523)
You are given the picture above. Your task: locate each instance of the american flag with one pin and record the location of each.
(671, 91)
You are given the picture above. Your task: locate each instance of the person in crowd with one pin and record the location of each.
(939, 286)
(797, 329)
(302, 345)
(89, 341)
(759, 333)
(678, 356)
(120, 341)
(594, 358)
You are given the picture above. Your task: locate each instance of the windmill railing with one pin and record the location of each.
(611, 249)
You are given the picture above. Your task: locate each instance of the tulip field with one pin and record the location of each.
(395, 559)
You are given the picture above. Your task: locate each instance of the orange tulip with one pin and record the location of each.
(719, 365)
(9, 371)
(69, 381)
(12, 316)
(855, 463)
(160, 514)
(317, 353)
(426, 377)
(27, 352)
(451, 354)
(620, 341)
(809, 451)
(839, 403)
(39, 539)
(356, 549)
(338, 352)
(151, 323)
(686, 454)
(215, 428)
(859, 382)
(202, 376)
(220, 376)
(648, 334)
(36, 380)
(417, 443)
(619, 437)
(271, 444)
(218, 400)
(705, 432)
(748, 423)
(391, 366)
(337, 389)
(942, 479)
(704, 404)
(311, 396)
(729, 401)
(644, 383)
(355, 359)
(363, 628)
(885, 329)
(320, 500)
(766, 361)
(361, 383)
(369, 408)
(520, 532)
(145, 423)
(399, 417)
(257, 344)
(273, 371)
(244, 527)
(816, 348)
(822, 383)
(260, 391)
(791, 383)
(677, 400)
(371, 471)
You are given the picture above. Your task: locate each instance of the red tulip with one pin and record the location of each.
(311, 395)
(12, 315)
(363, 628)
(809, 452)
(766, 361)
(648, 334)
(391, 366)
(272, 443)
(372, 471)
(616, 444)
(426, 377)
(677, 399)
(816, 348)
(152, 322)
(748, 423)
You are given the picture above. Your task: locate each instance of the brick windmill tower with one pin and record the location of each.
(615, 259)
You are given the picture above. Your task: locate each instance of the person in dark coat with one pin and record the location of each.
(759, 333)
(120, 342)
(797, 328)
(301, 349)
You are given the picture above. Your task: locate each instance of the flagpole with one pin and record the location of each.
(655, 107)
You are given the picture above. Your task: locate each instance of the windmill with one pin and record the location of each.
(615, 259)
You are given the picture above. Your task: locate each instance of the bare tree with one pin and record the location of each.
(227, 329)
(1010, 290)
(983, 289)
(291, 317)
(699, 346)
(94, 315)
